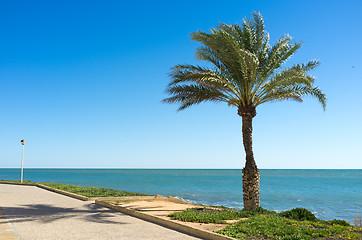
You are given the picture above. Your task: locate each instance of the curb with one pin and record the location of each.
(73, 195)
(23, 184)
(167, 223)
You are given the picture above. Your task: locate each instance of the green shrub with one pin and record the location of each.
(299, 214)
(262, 211)
(339, 222)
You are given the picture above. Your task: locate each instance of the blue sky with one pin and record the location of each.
(82, 82)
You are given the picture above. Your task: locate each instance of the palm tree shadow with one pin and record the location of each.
(46, 213)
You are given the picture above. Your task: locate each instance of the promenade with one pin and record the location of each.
(28, 212)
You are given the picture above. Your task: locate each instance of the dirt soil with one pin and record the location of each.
(162, 208)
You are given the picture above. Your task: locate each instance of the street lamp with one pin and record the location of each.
(22, 159)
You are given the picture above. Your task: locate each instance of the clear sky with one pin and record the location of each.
(82, 82)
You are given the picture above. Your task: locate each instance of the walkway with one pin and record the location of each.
(35, 213)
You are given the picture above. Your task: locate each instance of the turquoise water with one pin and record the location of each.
(329, 194)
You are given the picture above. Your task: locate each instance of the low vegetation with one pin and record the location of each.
(91, 191)
(213, 214)
(298, 223)
(85, 191)
(277, 227)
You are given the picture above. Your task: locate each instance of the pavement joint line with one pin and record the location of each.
(8, 232)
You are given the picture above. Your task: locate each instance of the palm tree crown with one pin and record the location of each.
(247, 70)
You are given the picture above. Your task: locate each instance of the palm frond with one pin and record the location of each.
(182, 74)
(295, 93)
(189, 95)
(277, 55)
(308, 66)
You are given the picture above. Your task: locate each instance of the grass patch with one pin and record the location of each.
(85, 191)
(91, 191)
(277, 227)
(212, 215)
(15, 181)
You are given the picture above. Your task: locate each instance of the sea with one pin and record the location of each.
(329, 194)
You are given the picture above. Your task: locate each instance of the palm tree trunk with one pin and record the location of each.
(251, 174)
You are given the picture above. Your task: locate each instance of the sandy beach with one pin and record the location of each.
(33, 213)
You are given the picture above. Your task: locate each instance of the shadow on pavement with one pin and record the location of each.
(45, 213)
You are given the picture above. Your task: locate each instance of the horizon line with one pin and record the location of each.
(183, 168)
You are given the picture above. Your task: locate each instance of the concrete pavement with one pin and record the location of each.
(35, 213)
(6, 230)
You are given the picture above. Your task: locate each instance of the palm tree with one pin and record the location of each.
(246, 72)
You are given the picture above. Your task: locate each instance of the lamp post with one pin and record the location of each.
(22, 159)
